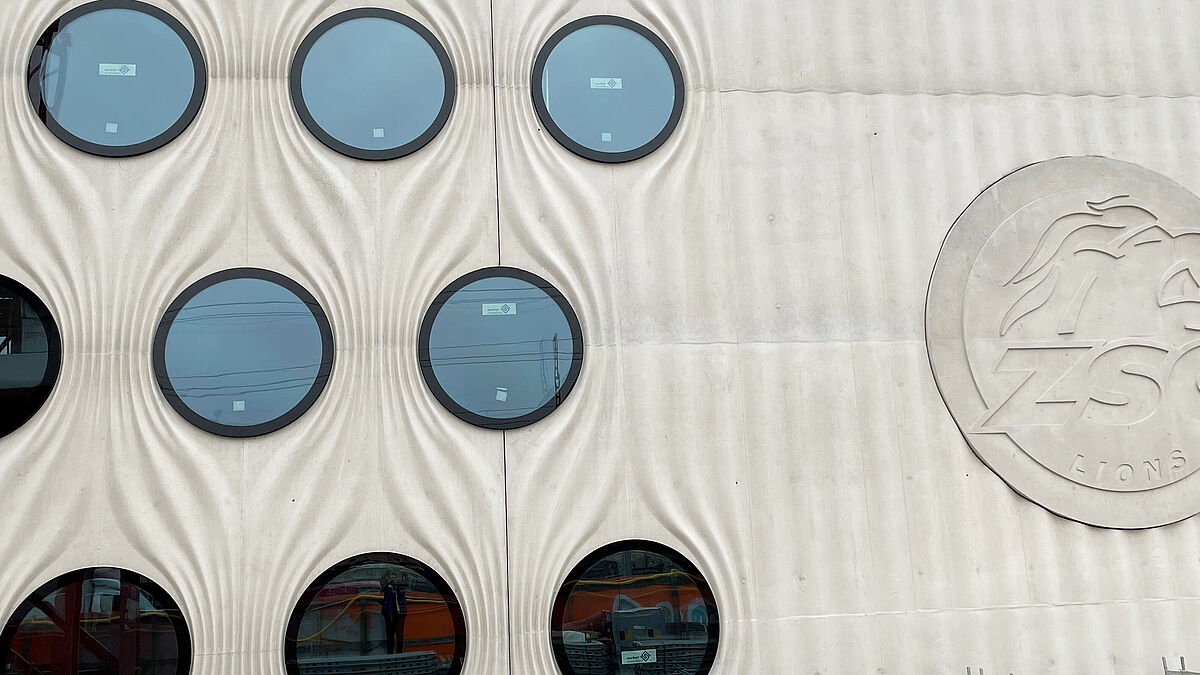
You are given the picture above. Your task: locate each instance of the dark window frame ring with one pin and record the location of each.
(471, 417)
(189, 114)
(295, 86)
(312, 588)
(45, 388)
(125, 576)
(543, 112)
(685, 565)
(320, 381)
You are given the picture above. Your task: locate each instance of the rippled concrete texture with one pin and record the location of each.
(756, 393)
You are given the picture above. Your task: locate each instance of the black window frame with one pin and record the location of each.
(681, 561)
(45, 388)
(144, 584)
(304, 600)
(190, 112)
(543, 113)
(163, 378)
(471, 417)
(295, 85)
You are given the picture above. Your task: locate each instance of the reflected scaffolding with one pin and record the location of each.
(100, 621)
(635, 608)
(30, 354)
(377, 613)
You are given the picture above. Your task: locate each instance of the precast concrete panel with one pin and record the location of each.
(756, 393)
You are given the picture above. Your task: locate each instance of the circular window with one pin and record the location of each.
(608, 89)
(377, 613)
(116, 78)
(500, 348)
(634, 608)
(30, 354)
(99, 620)
(372, 83)
(243, 352)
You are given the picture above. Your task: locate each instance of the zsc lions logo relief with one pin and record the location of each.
(1063, 326)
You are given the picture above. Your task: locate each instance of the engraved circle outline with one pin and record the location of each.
(945, 348)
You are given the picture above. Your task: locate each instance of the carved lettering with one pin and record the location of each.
(1153, 469)
(1077, 465)
(1125, 473)
(1074, 295)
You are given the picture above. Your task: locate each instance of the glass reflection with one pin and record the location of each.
(116, 77)
(29, 353)
(635, 612)
(243, 352)
(608, 88)
(99, 622)
(501, 347)
(373, 83)
(377, 613)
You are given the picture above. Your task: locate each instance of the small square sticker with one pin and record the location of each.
(239, 406)
(110, 128)
(606, 137)
(501, 393)
(378, 133)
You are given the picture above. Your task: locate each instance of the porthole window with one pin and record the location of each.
(372, 83)
(377, 613)
(100, 621)
(500, 348)
(243, 352)
(116, 78)
(30, 354)
(634, 608)
(608, 89)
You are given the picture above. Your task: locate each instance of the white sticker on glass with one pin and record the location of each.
(639, 656)
(110, 128)
(499, 309)
(119, 69)
(606, 83)
(502, 394)
(378, 133)
(606, 137)
(239, 406)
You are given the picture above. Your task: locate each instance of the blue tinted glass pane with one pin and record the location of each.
(243, 352)
(373, 83)
(608, 88)
(501, 347)
(117, 77)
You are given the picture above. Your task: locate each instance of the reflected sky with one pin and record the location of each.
(373, 83)
(243, 352)
(608, 88)
(117, 77)
(497, 362)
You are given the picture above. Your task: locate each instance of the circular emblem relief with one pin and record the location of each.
(1063, 327)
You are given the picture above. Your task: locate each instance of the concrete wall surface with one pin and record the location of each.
(756, 392)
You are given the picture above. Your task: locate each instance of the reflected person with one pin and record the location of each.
(395, 610)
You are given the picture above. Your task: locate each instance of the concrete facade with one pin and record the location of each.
(756, 394)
